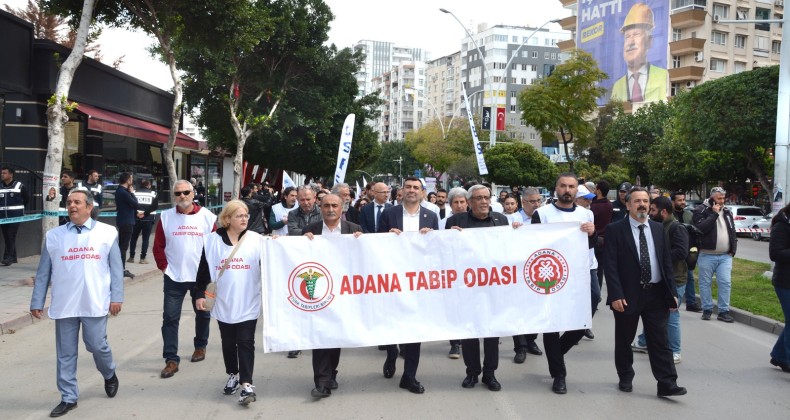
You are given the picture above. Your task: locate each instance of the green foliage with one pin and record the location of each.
(592, 148)
(429, 145)
(519, 164)
(562, 102)
(614, 175)
(392, 151)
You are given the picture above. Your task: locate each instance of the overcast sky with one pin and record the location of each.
(410, 23)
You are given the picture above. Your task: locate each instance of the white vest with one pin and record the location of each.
(80, 271)
(184, 235)
(279, 212)
(550, 214)
(239, 288)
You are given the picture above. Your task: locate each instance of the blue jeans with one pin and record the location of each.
(174, 300)
(709, 264)
(673, 327)
(781, 351)
(690, 295)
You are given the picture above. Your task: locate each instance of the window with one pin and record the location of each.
(512, 93)
(674, 89)
(721, 10)
(524, 67)
(547, 42)
(740, 41)
(718, 38)
(522, 123)
(761, 43)
(742, 14)
(513, 80)
(739, 67)
(532, 136)
(677, 34)
(675, 61)
(514, 39)
(553, 56)
(512, 108)
(514, 66)
(718, 65)
(523, 80)
(534, 54)
(776, 47)
(546, 55)
(762, 14)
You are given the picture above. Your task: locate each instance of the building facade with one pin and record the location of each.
(402, 90)
(380, 57)
(443, 87)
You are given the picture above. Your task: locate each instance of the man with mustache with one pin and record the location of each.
(643, 81)
(566, 210)
(641, 283)
(178, 245)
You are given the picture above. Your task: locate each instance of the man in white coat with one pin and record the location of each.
(82, 262)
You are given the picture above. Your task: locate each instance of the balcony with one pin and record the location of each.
(688, 18)
(568, 23)
(566, 45)
(686, 46)
(566, 3)
(686, 73)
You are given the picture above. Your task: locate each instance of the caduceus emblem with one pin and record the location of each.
(309, 278)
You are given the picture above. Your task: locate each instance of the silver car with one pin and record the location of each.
(764, 225)
(745, 217)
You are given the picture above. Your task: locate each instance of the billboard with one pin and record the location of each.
(629, 40)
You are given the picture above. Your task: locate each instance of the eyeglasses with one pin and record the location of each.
(533, 201)
(180, 193)
(242, 216)
(481, 198)
(381, 192)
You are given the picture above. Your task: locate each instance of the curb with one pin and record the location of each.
(25, 319)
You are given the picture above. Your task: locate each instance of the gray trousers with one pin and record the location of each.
(94, 334)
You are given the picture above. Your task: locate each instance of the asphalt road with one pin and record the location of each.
(749, 249)
(725, 367)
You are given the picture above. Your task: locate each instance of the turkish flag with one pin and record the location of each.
(500, 119)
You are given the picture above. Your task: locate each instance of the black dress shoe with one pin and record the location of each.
(589, 334)
(559, 385)
(693, 308)
(625, 386)
(520, 356)
(674, 391)
(62, 409)
(492, 383)
(532, 348)
(784, 367)
(111, 386)
(412, 385)
(320, 392)
(333, 384)
(469, 381)
(389, 368)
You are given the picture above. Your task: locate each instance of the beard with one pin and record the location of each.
(565, 199)
(657, 218)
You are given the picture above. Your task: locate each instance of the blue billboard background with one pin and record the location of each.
(598, 33)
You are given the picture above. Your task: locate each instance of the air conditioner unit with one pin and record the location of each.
(699, 56)
(691, 84)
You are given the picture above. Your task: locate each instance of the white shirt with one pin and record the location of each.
(430, 206)
(411, 222)
(655, 269)
(327, 231)
(495, 206)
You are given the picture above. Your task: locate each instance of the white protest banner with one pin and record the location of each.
(287, 181)
(344, 150)
(481, 162)
(383, 288)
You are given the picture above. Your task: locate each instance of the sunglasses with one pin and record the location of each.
(180, 193)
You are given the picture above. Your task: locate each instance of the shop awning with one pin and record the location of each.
(122, 125)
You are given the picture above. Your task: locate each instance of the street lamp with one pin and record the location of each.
(494, 101)
(400, 168)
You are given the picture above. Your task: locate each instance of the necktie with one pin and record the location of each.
(79, 228)
(636, 90)
(644, 257)
(378, 216)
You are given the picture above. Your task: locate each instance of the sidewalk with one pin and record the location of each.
(16, 287)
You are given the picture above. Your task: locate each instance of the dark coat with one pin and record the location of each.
(393, 218)
(705, 219)
(126, 205)
(367, 219)
(622, 265)
(779, 251)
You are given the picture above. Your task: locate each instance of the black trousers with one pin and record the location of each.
(238, 348)
(325, 363)
(411, 357)
(124, 236)
(9, 239)
(520, 341)
(654, 311)
(144, 227)
(599, 255)
(555, 346)
(471, 355)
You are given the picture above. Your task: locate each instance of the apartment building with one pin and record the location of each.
(402, 90)
(695, 44)
(443, 87)
(380, 57)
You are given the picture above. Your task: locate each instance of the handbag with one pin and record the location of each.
(211, 289)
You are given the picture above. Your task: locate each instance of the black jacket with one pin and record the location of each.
(779, 251)
(705, 220)
(255, 209)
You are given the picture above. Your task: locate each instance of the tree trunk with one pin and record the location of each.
(175, 113)
(752, 164)
(565, 147)
(57, 116)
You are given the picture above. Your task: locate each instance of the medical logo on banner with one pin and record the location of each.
(546, 271)
(310, 287)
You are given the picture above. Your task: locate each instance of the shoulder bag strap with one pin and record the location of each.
(230, 257)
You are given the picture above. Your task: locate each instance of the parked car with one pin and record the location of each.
(764, 223)
(745, 217)
(108, 195)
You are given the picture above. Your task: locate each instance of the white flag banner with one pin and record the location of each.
(287, 181)
(344, 150)
(481, 162)
(383, 288)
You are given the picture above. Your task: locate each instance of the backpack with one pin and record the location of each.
(694, 241)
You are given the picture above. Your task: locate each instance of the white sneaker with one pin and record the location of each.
(247, 394)
(637, 348)
(676, 357)
(232, 385)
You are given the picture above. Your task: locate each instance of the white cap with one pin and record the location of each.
(583, 192)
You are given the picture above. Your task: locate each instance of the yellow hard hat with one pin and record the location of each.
(640, 14)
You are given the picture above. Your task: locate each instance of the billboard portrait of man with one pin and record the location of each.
(643, 82)
(629, 40)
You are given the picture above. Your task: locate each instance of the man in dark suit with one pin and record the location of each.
(409, 216)
(369, 215)
(640, 282)
(325, 361)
